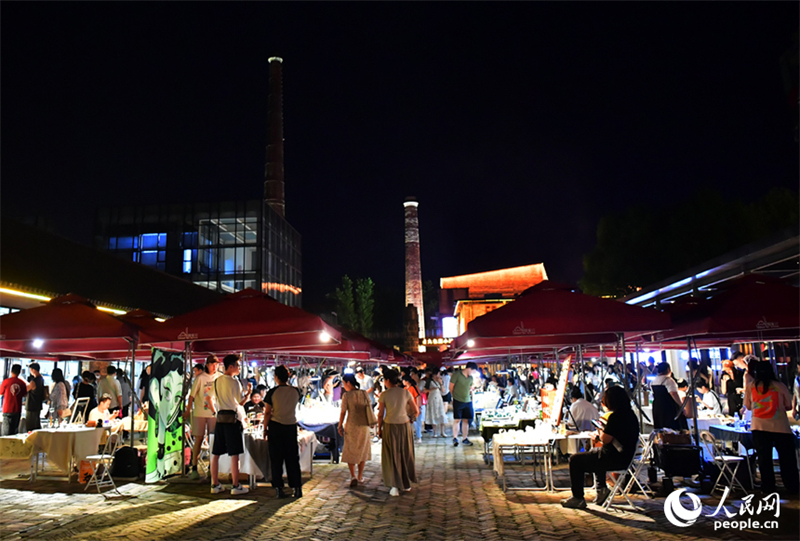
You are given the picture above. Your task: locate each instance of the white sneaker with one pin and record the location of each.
(241, 489)
(418, 441)
(394, 492)
(217, 489)
(407, 489)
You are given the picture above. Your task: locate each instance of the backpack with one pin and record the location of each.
(126, 463)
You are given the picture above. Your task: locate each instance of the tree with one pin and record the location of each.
(365, 305)
(344, 303)
(646, 244)
(355, 304)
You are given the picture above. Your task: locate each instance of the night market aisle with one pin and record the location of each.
(457, 498)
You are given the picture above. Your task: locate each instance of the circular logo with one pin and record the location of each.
(677, 514)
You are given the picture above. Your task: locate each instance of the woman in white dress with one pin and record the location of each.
(435, 414)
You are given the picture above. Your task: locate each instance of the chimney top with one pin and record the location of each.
(276, 59)
(411, 201)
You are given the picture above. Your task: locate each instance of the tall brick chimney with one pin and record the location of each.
(413, 265)
(273, 169)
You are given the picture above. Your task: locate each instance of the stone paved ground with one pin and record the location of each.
(457, 498)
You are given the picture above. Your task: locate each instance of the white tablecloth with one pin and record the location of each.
(62, 445)
(705, 424)
(16, 446)
(306, 441)
(518, 438)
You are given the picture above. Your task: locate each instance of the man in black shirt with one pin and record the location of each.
(620, 438)
(35, 400)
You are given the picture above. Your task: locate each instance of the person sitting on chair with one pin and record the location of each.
(620, 437)
(99, 415)
(710, 401)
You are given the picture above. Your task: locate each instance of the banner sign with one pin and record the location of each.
(165, 416)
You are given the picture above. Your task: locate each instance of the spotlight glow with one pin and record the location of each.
(470, 343)
(38, 343)
(325, 337)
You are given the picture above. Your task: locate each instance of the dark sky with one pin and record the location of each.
(516, 125)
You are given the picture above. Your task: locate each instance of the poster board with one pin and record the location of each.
(554, 412)
(165, 416)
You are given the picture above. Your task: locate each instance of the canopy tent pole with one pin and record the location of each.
(624, 364)
(583, 371)
(638, 391)
(692, 400)
(132, 407)
(187, 362)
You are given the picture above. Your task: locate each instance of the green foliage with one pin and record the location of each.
(644, 244)
(365, 305)
(355, 304)
(344, 302)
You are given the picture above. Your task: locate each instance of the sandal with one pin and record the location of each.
(353, 482)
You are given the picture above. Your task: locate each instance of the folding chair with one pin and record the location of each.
(728, 465)
(103, 462)
(630, 475)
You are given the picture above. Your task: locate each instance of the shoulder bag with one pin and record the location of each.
(372, 420)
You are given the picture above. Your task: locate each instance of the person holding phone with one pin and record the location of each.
(619, 437)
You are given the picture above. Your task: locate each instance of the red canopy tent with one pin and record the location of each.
(244, 321)
(553, 315)
(351, 347)
(753, 308)
(65, 326)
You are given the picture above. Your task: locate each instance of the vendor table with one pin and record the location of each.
(705, 423)
(330, 431)
(491, 427)
(741, 435)
(732, 434)
(65, 447)
(521, 444)
(255, 459)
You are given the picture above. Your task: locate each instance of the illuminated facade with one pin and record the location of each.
(223, 246)
(469, 296)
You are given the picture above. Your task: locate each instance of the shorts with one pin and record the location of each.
(448, 397)
(228, 439)
(203, 425)
(462, 410)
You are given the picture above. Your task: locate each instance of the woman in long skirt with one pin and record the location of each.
(357, 447)
(394, 427)
(435, 413)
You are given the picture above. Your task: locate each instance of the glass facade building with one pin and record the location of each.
(224, 246)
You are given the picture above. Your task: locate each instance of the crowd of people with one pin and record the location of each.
(395, 407)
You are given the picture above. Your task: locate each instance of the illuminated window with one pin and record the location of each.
(187, 261)
(150, 258)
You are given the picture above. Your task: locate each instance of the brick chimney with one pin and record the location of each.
(413, 264)
(273, 169)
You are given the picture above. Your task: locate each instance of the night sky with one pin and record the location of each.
(516, 125)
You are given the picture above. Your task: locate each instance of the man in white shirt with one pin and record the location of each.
(202, 408)
(582, 411)
(710, 402)
(228, 435)
(365, 382)
(109, 385)
(99, 415)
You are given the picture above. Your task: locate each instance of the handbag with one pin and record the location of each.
(372, 420)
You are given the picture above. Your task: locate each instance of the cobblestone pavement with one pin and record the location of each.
(457, 498)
